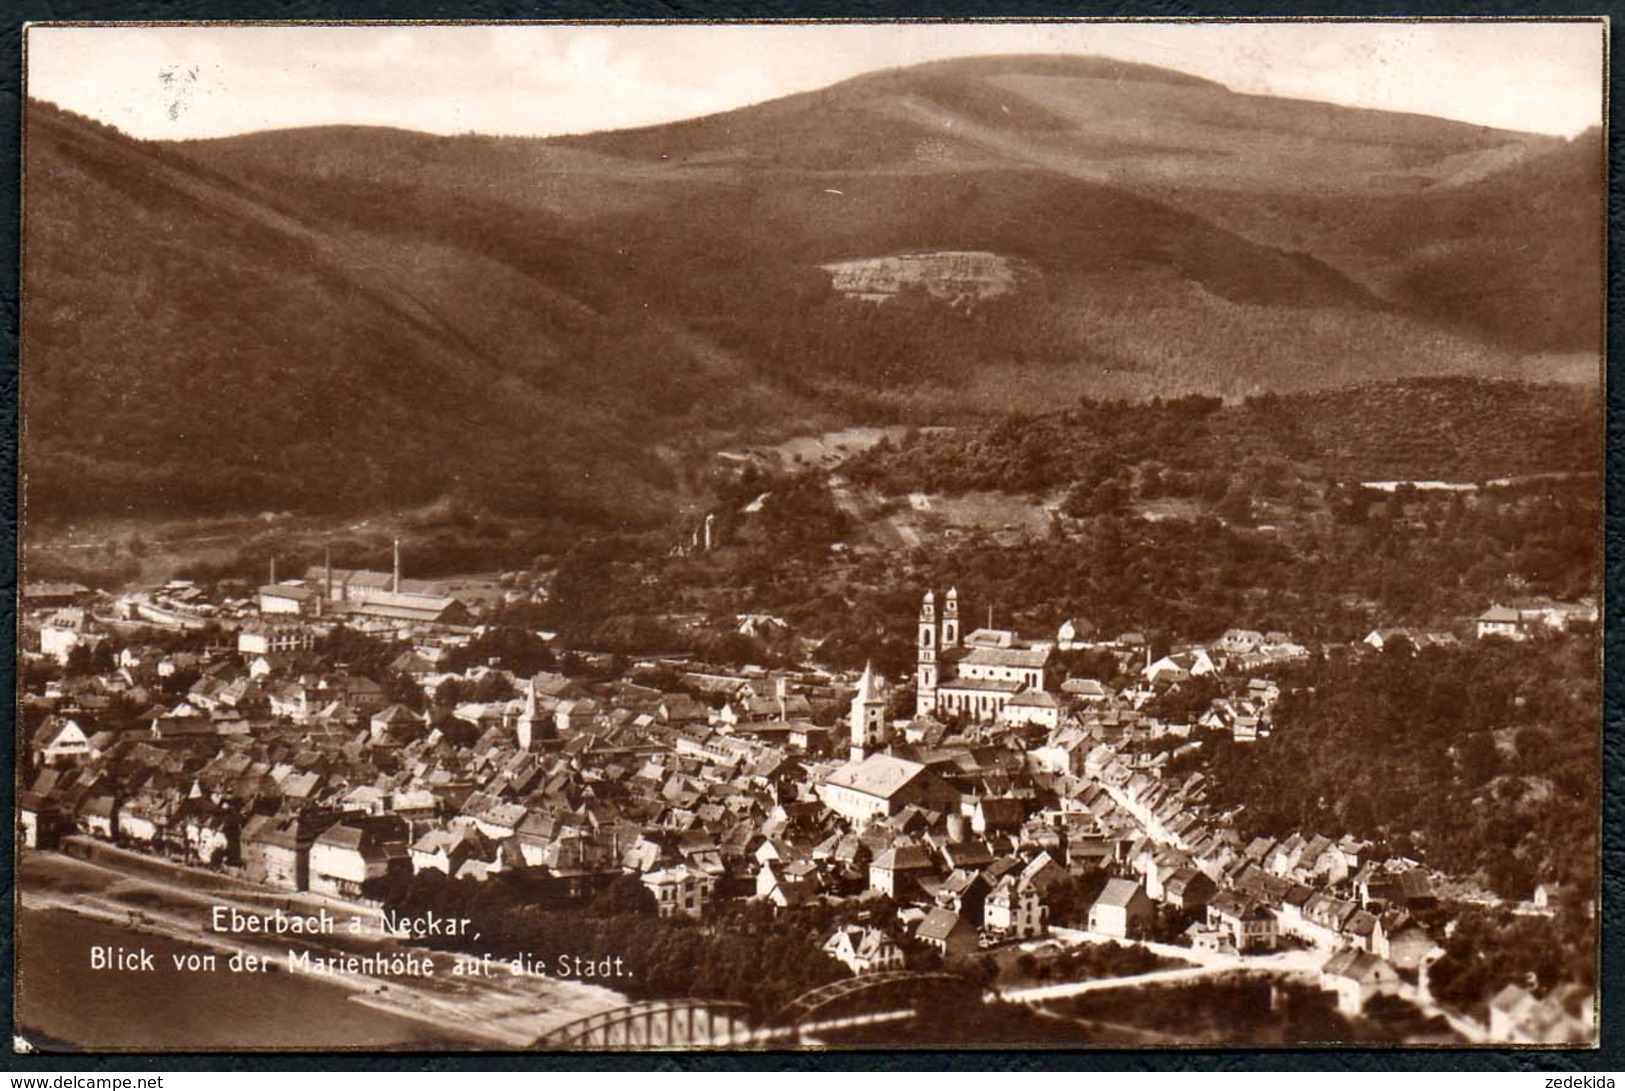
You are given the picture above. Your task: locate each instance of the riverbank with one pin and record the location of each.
(444, 1011)
(63, 1006)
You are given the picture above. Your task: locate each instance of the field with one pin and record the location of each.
(998, 512)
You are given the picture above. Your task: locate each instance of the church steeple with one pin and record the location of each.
(950, 619)
(867, 718)
(926, 675)
(533, 725)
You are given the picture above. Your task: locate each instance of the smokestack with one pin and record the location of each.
(327, 570)
(273, 571)
(395, 584)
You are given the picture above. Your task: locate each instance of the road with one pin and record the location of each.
(1287, 963)
(1286, 960)
(1294, 962)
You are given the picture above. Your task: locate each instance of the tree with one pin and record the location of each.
(493, 686)
(625, 894)
(89, 659)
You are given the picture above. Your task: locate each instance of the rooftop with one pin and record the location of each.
(877, 775)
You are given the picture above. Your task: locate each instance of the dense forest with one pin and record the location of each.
(1452, 429)
(1483, 762)
(1179, 519)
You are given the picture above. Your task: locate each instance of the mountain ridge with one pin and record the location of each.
(224, 322)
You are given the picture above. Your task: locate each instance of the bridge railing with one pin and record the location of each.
(654, 1023)
(717, 1024)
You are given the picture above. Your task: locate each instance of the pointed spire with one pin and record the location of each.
(866, 684)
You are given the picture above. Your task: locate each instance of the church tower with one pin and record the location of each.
(868, 717)
(950, 620)
(926, 672)
(532, 726)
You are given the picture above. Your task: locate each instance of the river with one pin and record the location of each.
(60, 999)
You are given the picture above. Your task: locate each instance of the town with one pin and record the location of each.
(349, 732)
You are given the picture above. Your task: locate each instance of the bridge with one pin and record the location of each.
(716, 1024)
(903, 984)
(656, 1023)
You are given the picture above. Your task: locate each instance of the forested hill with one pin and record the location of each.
(353, 318)
(1488, 764)
(1448, 429)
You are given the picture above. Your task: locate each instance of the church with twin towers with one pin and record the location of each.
(988, 674)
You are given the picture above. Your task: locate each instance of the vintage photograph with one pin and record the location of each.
(831, 535)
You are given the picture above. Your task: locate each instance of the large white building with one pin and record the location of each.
(271, 638)
(880, 785)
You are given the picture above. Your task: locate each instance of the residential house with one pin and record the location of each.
(395, 723)
(1188, 890)
(61, 739)
(1031, 708)
(896, 871)
(1075, 633)
(948, 933)
(446, 850)
(276, 848)
(1014, 910)
(864, 950)
(1177, 667)
(1002, 815)
(1252, 926)
(680, 890)
(1356, 977)
(965, 892)
(355, 851)
(1122, 910)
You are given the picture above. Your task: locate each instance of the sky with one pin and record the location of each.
(183, 82)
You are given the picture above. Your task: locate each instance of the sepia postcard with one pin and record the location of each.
(827, 535)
